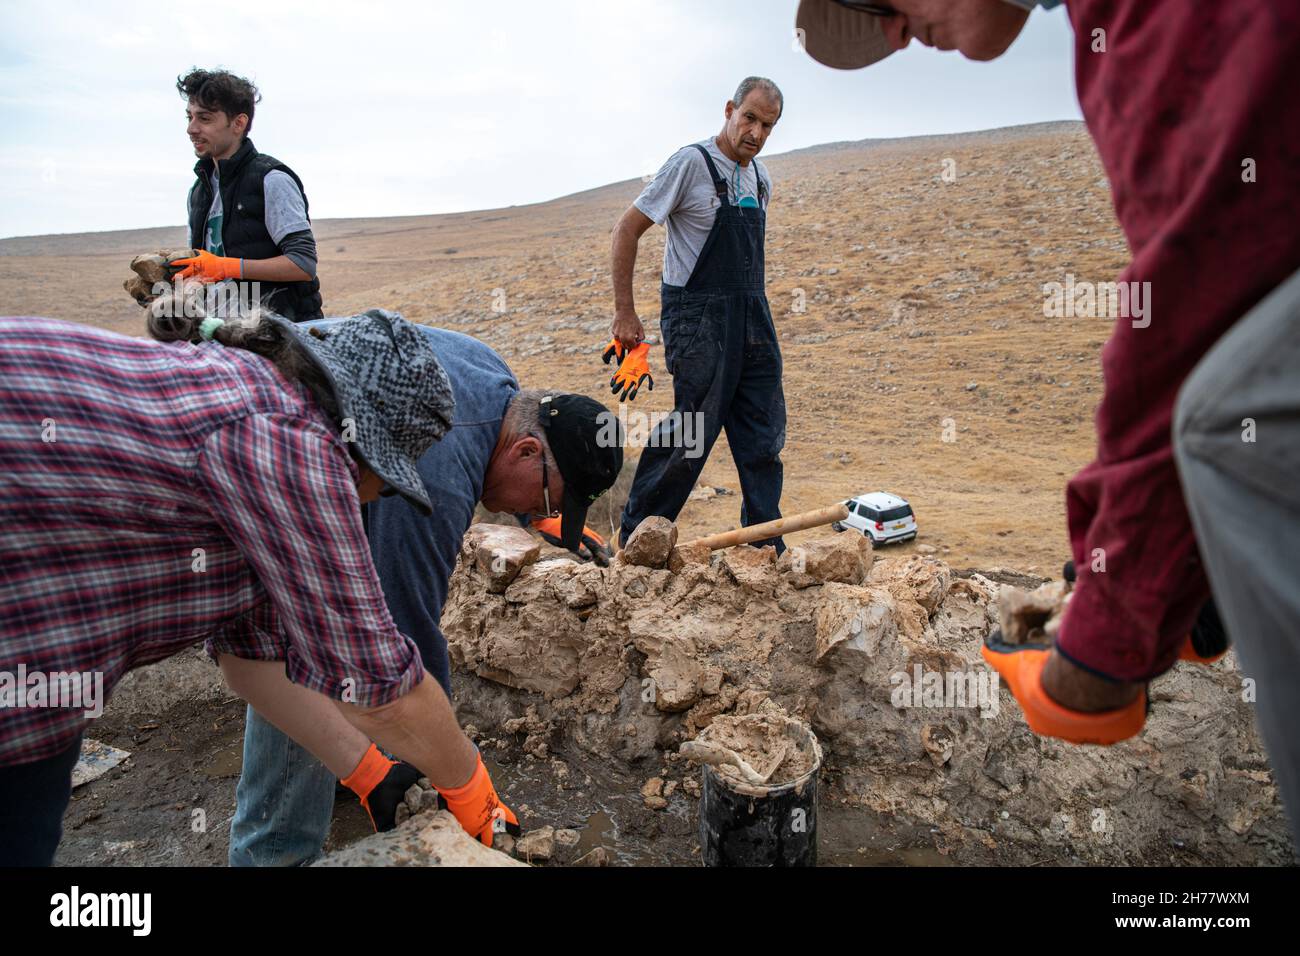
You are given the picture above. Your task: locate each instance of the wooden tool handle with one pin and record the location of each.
(772, 529)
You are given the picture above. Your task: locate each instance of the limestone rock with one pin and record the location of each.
(536, 844)
(596, 857)
(419, 800)
(501, 552)
(1031, 616)
(854, 621)
(938, 743)
(150, 268)
(651, 543)
(677, 674)
(845, 559)
(684, 554)
(652, 794)
(924, 580)
(427, 840)
(139, 289)
(750, 567)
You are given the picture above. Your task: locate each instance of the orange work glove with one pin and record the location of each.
(595, 548)
(634, 370)
(1021, 666)
(614, 350)
(478, 808)
(209, 268)
(381, 784)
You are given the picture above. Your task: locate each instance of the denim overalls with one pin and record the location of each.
(721, 349)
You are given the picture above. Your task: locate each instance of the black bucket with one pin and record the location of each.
(749, 825)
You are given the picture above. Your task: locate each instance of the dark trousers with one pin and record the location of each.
(33, 798)
(721, 350)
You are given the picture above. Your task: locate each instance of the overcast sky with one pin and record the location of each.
(391, 109)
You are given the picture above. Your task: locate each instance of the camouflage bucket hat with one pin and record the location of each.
(389, 387)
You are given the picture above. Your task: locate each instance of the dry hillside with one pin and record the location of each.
(923, 303)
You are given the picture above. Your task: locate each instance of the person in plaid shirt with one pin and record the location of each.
(155, 494)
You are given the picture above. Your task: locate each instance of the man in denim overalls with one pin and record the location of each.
(720, 345)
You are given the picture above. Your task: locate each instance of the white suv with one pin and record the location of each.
(881, 517)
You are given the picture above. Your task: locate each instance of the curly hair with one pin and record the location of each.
(220, 90)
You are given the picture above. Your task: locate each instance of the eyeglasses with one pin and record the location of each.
(874, 9)
(546, 491)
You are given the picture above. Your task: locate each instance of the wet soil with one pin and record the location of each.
(171, 802)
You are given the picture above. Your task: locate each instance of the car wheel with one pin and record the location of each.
(836, 526)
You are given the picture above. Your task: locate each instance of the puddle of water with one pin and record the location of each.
(226, 762)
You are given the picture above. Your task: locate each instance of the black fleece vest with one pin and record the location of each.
(243, 231)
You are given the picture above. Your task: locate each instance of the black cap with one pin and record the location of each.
(586, 439)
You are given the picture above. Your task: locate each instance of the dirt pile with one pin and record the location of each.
(881, 658)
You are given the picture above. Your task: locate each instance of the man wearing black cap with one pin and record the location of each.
(525, 452)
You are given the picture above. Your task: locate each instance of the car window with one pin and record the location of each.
(894, 514)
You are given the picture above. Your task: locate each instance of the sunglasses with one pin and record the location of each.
(546, 492)
(874, 9)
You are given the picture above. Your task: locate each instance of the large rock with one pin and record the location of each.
(501, 552)
(844, 559)
(537, 844)
(855, 622)
(426, 840)
(1032, 616)
(651, 543)
(685, 554)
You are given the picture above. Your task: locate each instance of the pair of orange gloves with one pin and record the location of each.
(381, 784)
(633, 369)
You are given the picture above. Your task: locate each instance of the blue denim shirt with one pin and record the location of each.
(414, 555)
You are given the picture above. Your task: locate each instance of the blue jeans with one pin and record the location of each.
(286, 800)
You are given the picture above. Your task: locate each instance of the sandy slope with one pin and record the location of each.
(916, 289)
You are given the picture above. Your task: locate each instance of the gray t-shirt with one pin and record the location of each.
(682, 197)
(285, 212)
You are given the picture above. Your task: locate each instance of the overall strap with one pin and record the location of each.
(758, 176)
(719, 183)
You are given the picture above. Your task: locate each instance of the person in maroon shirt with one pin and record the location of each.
(1188, 104)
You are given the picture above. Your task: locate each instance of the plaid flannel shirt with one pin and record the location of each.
(153, 496)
